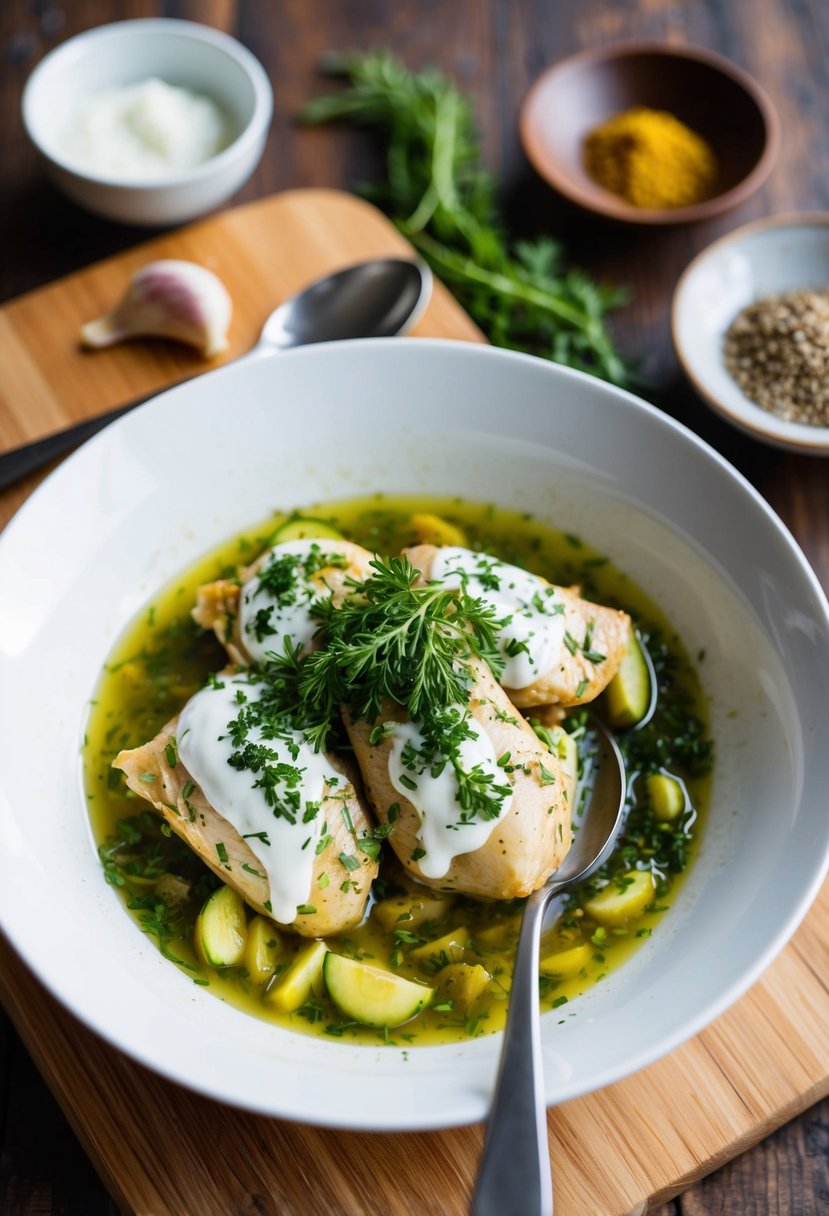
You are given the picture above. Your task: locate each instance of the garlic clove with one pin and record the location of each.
(168, 299)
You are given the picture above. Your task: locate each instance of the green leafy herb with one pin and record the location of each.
(393, 638)
(522, 295)
(547, 778)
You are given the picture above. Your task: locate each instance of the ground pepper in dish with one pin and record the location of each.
(650, 159)
(777, 349)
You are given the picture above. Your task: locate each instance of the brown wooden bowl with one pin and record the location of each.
(709, 94)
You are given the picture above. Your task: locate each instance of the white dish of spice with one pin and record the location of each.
(149, 122)
(750, 325)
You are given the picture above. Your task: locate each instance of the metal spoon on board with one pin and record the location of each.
(514, 1177)
(375, 299)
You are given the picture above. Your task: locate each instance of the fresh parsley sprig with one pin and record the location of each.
(521, 294)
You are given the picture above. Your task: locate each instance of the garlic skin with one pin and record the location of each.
(168, 299)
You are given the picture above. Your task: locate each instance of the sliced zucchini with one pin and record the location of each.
(446, 949)
(498, 935)
(566, 962)
(568, 751)
(629, 694)
(617, 904)
(558, 740)
(173, 888)
(305, 528)
(371, 996)
(221, 929)
(667, 796)
(410, 911)
(434, 530)
(262, 950)
(561, 744)
(142, 884)
(463, 983)
(293, 987)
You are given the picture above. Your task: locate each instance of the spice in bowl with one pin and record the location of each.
(777, 350)
(651, 160)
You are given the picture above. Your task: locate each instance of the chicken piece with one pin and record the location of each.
(220, 605)
(217, 608)
(549, 715)
(590, 639)
(527, 844)
(150, 775)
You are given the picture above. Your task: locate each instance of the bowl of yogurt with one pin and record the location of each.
(149, 122)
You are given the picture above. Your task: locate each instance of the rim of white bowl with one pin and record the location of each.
(449, 1114)
(81, 43)
(751, 419)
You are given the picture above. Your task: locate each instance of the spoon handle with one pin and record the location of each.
(17, 462)
(28, 457)
(514, 1177)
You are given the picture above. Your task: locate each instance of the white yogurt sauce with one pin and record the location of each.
(285, 849)
(532, 639)
(444, 832)
(145, 131)
(268, 620)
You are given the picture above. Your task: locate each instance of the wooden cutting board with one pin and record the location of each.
(162, 1150)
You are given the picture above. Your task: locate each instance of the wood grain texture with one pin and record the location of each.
(659, 1130)
(494, 48)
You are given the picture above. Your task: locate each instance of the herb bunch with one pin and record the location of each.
(388, 643)
(521, 294)
(391, 639)
(391, 642)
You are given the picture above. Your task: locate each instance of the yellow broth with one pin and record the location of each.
(163, 658)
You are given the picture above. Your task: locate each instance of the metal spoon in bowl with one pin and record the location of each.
(514, 1177)
(374, 299)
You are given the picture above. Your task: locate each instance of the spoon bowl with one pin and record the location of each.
(377, 299)
(514, 1175)
(599, 821)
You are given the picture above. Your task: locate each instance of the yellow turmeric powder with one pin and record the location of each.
(651, 159)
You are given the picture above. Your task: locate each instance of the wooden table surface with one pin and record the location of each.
(495, 49)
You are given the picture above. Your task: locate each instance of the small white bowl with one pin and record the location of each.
(780, 254)
(181, 53)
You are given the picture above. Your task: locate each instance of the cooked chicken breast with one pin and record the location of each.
(339, 902)
(531, 839)
(234, 610)
(590, 639)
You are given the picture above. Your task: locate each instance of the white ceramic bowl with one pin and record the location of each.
(784, 253)
(202, 462)
(181, 53)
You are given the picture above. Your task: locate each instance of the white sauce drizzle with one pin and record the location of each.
(288, 616)
(442, 834)
(286, 854)
(536, 614)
